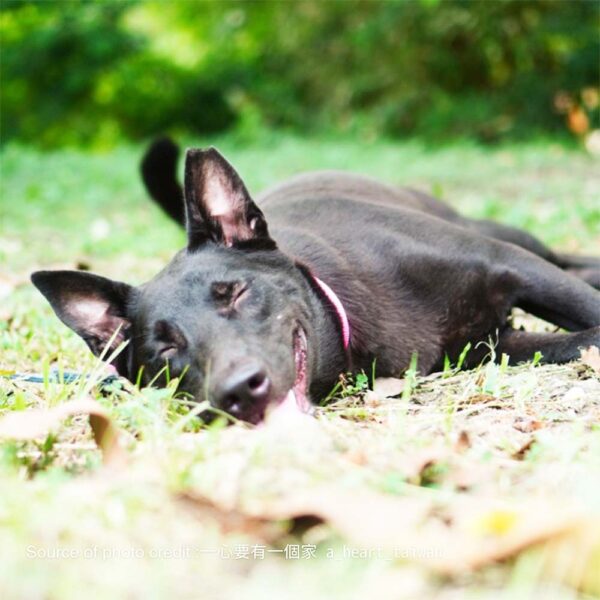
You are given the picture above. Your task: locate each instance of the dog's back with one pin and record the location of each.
(159, 173)
(326, 185)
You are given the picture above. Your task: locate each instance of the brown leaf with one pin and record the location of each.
(576, 555)
(372, 399)
(466, 534)
(414, 465)
(466, 475)
(521, 453)
(357, 456)
(388, 387)
(591, 358)
(486, 399)
(231, 520)
(463, 442)
(37, 423)
(475, 533)
(364, 518)
(527, 425)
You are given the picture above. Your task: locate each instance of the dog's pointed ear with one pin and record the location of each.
(218, 205)
(92, 306)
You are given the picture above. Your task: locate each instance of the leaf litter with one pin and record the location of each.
(453, 480)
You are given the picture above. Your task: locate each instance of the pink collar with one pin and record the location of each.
(339, 309)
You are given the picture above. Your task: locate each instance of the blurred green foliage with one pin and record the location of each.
(93, 72)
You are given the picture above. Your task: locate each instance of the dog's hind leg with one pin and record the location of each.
(521, 346)
(590, 276)
(576, 261)
(584, 267)
(550, 293)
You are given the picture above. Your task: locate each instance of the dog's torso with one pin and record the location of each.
(390, 255)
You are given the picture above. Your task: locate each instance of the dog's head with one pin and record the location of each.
(230, 314)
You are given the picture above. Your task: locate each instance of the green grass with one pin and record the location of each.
(532, 432)
(70, 205)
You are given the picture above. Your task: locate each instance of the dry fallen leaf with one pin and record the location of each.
(463, 442)
(473, 532)
(465, 475)
(372, 399)
(527, 425)
(422, 464)
(364, 518)
(487, 400)
(232, 520)
(591, 358)
(388, 387)
(575, 557)
(521, 453)
(37, 423)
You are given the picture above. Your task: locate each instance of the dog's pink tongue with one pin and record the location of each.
(289, 407)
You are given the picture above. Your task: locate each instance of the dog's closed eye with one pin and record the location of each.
(228, 294)
(170, 338)
(168, 351)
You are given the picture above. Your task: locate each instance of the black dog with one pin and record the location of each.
(347, 271)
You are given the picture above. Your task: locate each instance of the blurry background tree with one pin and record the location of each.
(94, 72)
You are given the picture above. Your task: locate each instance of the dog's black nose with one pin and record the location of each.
(245, 390)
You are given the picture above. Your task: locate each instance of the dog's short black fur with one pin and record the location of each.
(239, 314)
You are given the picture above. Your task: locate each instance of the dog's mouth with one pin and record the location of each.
(294, 401)
(300, 388)
(297, 397)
